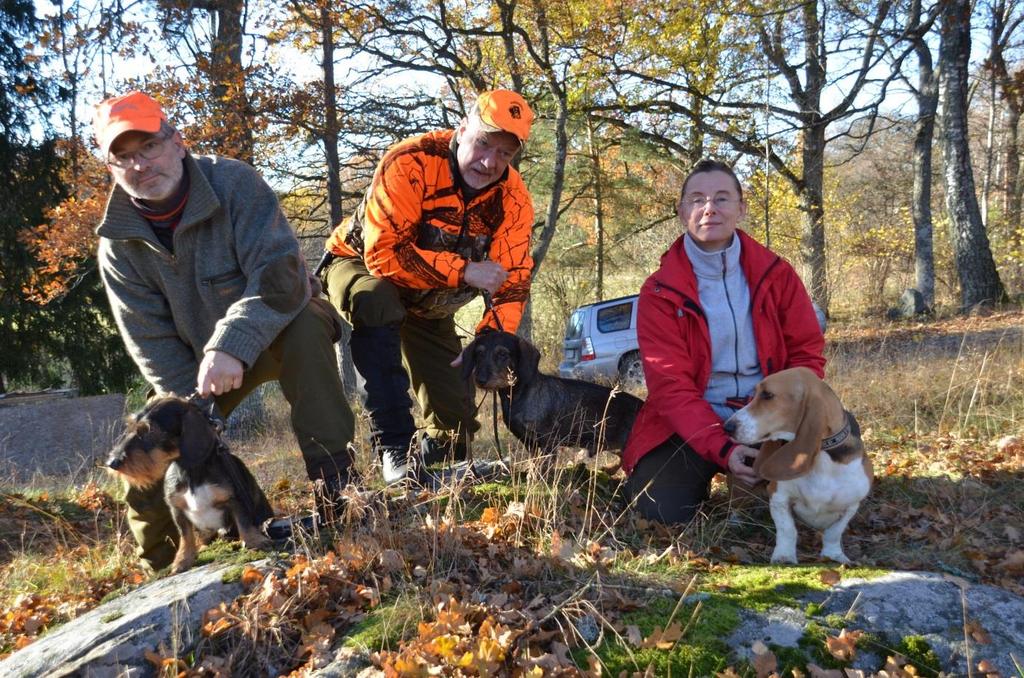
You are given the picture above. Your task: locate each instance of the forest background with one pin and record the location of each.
(877, 139)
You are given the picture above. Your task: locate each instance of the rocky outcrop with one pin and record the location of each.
(901, 604)
(112, 639)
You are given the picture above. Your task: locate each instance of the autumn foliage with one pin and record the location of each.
(66, 243)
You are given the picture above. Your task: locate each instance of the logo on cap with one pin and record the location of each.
(515, 111)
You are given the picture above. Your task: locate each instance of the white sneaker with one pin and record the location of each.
(396, 465)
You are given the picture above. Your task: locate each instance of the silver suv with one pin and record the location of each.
(600, 344)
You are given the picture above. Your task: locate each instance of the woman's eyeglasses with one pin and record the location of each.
(718, 201)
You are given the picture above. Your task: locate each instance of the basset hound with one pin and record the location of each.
(812, 457)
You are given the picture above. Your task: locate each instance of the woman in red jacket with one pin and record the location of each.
(720, 314)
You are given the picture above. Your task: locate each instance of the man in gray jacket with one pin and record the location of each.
(211, 294)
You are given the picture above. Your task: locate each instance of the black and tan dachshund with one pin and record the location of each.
(543, 411)
(208, 489)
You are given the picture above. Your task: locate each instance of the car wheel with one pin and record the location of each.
(631, 372)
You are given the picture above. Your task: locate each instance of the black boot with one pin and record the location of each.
(434, 451)
(377, 354)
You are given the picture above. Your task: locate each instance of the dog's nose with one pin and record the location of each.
(730, 425)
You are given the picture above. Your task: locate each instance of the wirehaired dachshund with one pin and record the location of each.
(207, 489)
(813, 458)
(544, 411)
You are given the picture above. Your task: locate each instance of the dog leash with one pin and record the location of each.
(489, 305)
(208, 406)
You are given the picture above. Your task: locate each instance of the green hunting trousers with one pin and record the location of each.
(303, 361)
(428, 346)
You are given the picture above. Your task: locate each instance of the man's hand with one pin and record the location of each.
(485, 275)
(219, 373)
(741, 464)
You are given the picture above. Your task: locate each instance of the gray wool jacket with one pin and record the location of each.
(235, 280)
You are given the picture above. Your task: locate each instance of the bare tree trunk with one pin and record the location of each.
(228, 93)
(979, 280)
(1013, 114)
(334, 197)
(595, 159)
(543, 242)
(811, 196)
(927, 104)
(986, 179)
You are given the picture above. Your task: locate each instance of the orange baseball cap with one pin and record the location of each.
(132, 112)
(506, 111)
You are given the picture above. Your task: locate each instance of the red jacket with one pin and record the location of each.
(676, 347)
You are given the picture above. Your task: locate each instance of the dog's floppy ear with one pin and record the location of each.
(528, 364)
(198, 438)
(795, 458)
(469, 359)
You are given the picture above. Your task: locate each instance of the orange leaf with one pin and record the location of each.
(844, 646)
(765, 662)
(979, 634)
(830, 577)
(251, 576)
(985, 666)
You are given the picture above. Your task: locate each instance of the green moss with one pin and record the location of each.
(836, 621)
(813, 645)
(232, 574)
(115, 594)
(392, 621)
(229, 552)
(702, 652)
(111, 617)
(919, 653)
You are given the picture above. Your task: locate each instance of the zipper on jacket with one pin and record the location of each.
(735, 329)
(159, 249)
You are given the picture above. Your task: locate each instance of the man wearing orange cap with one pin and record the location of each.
(211, 295)
(444, 219)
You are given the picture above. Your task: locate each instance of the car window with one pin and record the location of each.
(614, 318)
(574, 330)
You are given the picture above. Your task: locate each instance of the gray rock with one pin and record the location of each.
(111, 640)
(903, 604)
(783, 626)
(348, 662)
(588, 628)
(57, 436)
(931, 605)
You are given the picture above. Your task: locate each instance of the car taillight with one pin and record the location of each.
(588, 350)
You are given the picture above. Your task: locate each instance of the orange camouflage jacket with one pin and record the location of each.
(415, 228)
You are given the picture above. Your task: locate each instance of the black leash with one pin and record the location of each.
(208, 406)
(489, 305)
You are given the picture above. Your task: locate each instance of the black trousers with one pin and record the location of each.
(670, 482)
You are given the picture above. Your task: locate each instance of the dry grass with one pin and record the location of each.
(933, 400)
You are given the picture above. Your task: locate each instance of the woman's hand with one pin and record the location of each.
(741, 464)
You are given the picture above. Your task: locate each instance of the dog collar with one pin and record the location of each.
(837, 439)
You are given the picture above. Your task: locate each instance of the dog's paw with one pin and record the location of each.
(835, 555)
(258, 542)
(781, 557)
(179, 566)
